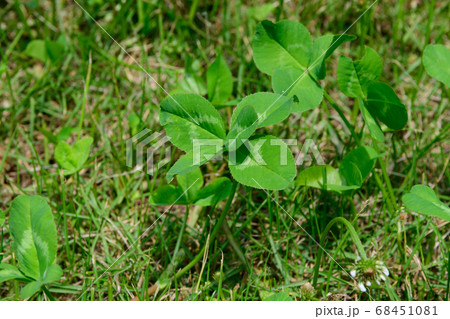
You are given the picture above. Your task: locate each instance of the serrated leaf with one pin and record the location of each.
(191, 183)
(295, 82)
(34, 235)
(384, 104)
(216, 191)
(270, 108)
(219, 81)
(186, 117)
(354, 77)
(436, 60)
(71, 158)
(270, 165)
(423, 200)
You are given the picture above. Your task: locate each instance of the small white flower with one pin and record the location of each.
(385, 271)
(383, 278)
(378, 282)
(362, 287)
(368, 284)
(353, 273)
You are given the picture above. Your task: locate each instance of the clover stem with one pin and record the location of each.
(353, 234)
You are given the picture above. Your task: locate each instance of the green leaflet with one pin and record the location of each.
(270, 108)
(295, 82)
(354, 77)
(34, 235)
(384, 104)
(219, 81)
(8, 272)
(45, 50)
(216, 191)
(354, 169)
(242, 128)
(270, 164)
(187, 116)
(72, 158)
(286, 51)
(191, 183)
(436, 60)
(168, 195)
(423, 200)
(281, 296)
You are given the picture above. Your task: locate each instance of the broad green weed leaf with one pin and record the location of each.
(271, 108)
(295, 82)
(384, 104)
(372, 124)
(71, 158)
(168, 195)
(436, 60)
(34, 235)
(363, 158)
(30, 289)
(219, 81)
(216, 191)
(271, 165)
(191, 183)
(52, 274)
(192, 83)
(281, 296)
(8, 272)
(354, 77)
(323, 47)
(45, 50)
(186, 117)
(281, 45)
(323, 177)
(423, 200)
(191, 160)
(242, 128)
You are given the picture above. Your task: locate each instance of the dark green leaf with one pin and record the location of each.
(218, 190)
(168, 195)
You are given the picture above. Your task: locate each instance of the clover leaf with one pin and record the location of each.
(71, 158)
(423, 200)
(436, 60)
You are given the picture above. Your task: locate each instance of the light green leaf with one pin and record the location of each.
(323, 177)
(372, 124)
(363, 158)
(384, 104)
(65, 133)
(423, 200)
(191, 183)
(30, 289)
(186, 117)
(242, 128)
(261, 11)
(354, 77)
(192, 83)
(323, 47)
(281, 296)
(270, 108)
(270, 165)
(219, 81)
(191, 160)
(72, 158)
(168, 195)
(436, 60)
(216, 191)
(45, 50)
(281, 45)
(52, 274)
(295, 82)
(34, 235)
(8, 272)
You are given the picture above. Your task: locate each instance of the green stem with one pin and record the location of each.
(353, 234)
(385, 176)
(214, 232)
